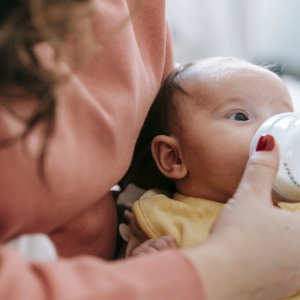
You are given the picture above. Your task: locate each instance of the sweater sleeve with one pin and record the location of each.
(167, 275)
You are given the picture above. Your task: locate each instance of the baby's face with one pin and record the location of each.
(218, 126)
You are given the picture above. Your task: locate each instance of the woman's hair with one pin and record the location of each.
(23, 25)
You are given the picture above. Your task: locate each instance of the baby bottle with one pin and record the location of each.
(285, 128)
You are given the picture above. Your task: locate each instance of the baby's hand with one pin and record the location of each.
(155, 245)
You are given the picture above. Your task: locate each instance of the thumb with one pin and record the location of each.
(260, 172)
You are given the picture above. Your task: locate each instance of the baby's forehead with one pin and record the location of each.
(217, 70)
(210, 83)
(201, 79)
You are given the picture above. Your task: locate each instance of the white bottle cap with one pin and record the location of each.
(285, 128)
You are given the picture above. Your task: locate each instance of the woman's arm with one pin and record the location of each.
(167, 275)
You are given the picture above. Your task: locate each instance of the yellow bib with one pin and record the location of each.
(189, 220)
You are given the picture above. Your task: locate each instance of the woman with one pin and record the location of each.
(65, 145)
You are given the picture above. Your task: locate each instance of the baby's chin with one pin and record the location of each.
(206, 193)
(217, 184)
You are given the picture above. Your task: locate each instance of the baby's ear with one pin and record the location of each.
(168, 156)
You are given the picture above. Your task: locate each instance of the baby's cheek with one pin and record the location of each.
(217, 157)
(226, 163)
(236, 160)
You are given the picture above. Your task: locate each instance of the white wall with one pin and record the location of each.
(258, 30)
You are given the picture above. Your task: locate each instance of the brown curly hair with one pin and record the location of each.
(24, 24)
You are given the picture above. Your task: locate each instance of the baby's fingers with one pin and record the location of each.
(163, 243)
(144, 252)
(155, 245)
(170, 240)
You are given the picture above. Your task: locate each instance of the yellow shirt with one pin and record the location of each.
(188, 219)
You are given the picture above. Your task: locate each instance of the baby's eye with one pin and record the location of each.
(238, 117)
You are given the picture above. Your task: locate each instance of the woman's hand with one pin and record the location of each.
(253, 251)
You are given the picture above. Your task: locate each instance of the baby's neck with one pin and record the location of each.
(203, 193)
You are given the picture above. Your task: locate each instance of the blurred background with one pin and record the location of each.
(260, 31)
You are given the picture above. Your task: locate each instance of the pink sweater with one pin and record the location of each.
(100, 112)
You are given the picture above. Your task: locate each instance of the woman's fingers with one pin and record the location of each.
(259, 176)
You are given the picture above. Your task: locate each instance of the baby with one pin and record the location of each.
(201, 125)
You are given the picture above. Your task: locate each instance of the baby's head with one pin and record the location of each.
(204, 118)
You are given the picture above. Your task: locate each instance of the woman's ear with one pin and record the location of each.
(168, 156)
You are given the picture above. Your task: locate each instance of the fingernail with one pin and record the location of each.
(265, 143)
